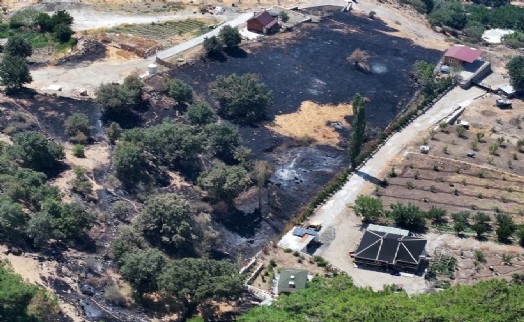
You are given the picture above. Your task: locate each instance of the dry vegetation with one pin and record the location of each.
(319, 122)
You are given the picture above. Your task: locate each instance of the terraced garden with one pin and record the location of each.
(166, 30)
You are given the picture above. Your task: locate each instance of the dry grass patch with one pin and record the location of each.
(313, 120)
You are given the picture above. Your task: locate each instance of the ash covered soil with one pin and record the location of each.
(309, 63)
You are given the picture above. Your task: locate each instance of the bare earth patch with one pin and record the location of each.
(314, 121)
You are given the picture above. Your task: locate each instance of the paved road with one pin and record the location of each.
(198, 40)
(341, 225)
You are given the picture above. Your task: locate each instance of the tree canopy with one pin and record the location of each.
(338, 299)
(225, 182)
(120, 99)
(212, 45)
(33, 150)
(14, 72)
(18, 46)
(230, 36)
(179, 91)
(224, 138)
(516, 72)
(201, 114)
(242, 98)
(408, 216)
(369, 208)
(130, 163)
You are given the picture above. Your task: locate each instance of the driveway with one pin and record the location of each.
(342, 232)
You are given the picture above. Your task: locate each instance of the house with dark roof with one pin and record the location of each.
(460, 54)
(386, 249)
(263, 22)
(291, 280)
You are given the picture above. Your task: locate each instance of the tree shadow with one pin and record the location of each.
(235, 52)
(369, 178)
(217, 56)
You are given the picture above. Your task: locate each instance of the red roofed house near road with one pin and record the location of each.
(459, 54)
(262, 22)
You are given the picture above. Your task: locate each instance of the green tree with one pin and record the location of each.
(141, 269)
(212, 45)
(120, 99)
(14, 72)
(242, 97)
(114, 131)
(201, 114)
(77, 123)
(451, 14)
(408, 216)
(473, 31)
(369, 208)
(358, 128)
(18, 46)
(12, 218)
(481, 224)
(520, 236)
(230, 36)
(327, 300)
(283, 16)
(174, 144)
(515, 69)
(461, 221)
(225, 182)
(436, 214)
(23, 302)
(62, 17)
(129, 162)
(44, 21)
(505, 226)
(128, 241)
(63, 32)
(224, 138)
(179, 91)
(67, 221)
(194, 281)
(167, 220)
(33, 150)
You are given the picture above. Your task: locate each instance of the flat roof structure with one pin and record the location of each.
(298, 239)
(291, 280)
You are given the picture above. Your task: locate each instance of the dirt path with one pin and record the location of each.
(341, 232)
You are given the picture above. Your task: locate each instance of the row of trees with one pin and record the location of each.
(152, 255)
(413, 218)
(338, 299)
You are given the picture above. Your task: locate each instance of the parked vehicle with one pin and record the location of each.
(503, 103)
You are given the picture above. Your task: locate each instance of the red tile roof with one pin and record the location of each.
(463, 53)
(265, 19)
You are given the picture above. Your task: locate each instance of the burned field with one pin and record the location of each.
(309, 66)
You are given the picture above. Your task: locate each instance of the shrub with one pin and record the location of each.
(201, 114)
(212, 45)
(284, 17)
(79, 151)
(63, 32)
(77, 123)
(179, 91)
(230, 36)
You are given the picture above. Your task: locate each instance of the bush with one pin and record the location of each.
(201, 114)
(14, 72)
(451, 14)
(77, 123)
(114, 131)
(33, 150)
(129, 162)
(242, 97)
(225, 182)
(506, 226)
(18, 46)
(212, 45)
(230, 36)
(63, 32)
(81, 184)
(408, 216)
(79, 151)
(118, 100)
(516, 72)
(284, 17)
(369, 208)
(179, 91)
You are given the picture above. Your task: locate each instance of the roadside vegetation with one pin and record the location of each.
(338, 299)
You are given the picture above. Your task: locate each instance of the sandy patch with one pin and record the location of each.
(313, 120)
(96, 156)
(177, 180)
(115, 54)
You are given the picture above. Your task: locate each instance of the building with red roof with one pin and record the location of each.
(459, 54)
(262, 22)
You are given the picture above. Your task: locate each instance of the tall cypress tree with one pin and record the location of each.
(359, 128)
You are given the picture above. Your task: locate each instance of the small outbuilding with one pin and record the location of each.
(263, 22)
(460, 54)
(291, 280)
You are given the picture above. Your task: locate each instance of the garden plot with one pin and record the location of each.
(163, 34)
